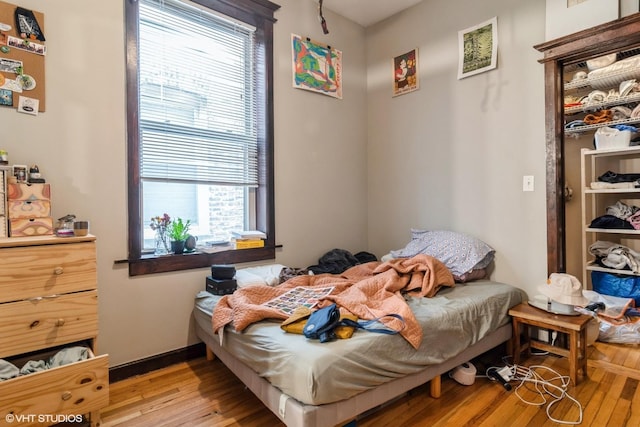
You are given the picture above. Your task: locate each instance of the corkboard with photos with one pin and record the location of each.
(22, 56)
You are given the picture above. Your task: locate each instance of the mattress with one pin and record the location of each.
(317, 373)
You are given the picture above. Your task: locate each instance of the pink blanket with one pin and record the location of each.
(368, 290)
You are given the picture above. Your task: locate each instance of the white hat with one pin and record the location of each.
(564, 288)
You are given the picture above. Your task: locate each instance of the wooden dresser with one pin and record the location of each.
(49, 301)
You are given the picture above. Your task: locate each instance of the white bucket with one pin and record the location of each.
(607, 138)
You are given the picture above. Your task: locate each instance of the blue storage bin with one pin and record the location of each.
(617, 285)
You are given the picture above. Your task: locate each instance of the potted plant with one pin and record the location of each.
(178, 233)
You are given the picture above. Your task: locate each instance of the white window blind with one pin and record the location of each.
(197, 103)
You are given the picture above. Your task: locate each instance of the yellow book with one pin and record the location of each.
(249, 243)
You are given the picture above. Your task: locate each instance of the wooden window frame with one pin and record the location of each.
(259, 14)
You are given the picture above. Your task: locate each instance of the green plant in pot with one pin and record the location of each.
(178, 233)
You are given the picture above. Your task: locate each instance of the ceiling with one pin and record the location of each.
(367, 12)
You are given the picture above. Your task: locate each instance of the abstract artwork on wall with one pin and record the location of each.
(478, 48)
(316, 67)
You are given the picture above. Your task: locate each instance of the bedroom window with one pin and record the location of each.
(200, 126)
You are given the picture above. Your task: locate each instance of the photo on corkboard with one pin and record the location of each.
(6, 97)
(22, 54)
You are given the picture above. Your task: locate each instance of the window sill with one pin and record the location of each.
(150, 264)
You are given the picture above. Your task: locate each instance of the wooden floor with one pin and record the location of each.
(206, 393)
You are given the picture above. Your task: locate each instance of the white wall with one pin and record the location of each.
(452, 154)
(79, 143)
(562, 19)
(320, 143)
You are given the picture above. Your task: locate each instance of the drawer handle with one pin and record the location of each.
(53, 296)
(66, 395)
(60, 322)
(58, 271)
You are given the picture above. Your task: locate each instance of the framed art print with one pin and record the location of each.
(478, 48)
(405, 73)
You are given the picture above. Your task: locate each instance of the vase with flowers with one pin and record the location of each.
(160, 224)
(178, 233)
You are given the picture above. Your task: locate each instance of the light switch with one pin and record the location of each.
(527, 183)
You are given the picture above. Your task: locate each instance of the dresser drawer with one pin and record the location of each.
(29, 208)
(73, 389)
(47, 322)
(36, 271)
(29, 227)
(22, 191)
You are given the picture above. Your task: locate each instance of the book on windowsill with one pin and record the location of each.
(248, 235)
(248, 243)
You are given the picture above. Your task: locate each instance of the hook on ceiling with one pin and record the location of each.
(323, 22)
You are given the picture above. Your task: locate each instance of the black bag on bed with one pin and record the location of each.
(322, 322)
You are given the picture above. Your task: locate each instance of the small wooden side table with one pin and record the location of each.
(575, 327)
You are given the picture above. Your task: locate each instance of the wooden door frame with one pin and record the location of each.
(611, 37)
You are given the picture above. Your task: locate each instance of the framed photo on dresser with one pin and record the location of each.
(20, 172)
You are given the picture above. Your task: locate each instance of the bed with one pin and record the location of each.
(308, 383)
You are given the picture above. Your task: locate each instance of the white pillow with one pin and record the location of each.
(268, 275)
(460, 252)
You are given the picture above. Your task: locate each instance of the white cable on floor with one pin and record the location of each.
(543, 387)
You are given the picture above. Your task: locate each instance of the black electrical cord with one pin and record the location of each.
(495, 375)
(323, 23)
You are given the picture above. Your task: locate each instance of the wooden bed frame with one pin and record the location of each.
(294, 413)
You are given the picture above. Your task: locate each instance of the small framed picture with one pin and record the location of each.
(20, 172)
(478, 48)
(405, 73)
